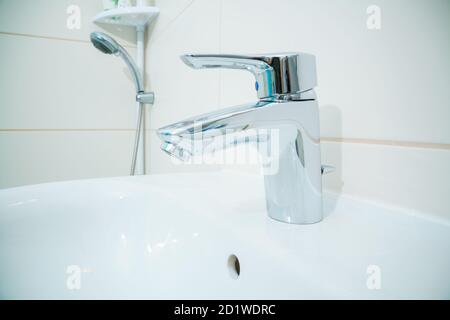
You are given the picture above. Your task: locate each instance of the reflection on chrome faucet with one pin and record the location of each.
(284, 125)
(206, 146)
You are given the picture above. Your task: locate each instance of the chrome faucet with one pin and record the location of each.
(287, 103)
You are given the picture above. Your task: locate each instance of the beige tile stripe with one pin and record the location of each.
(53, 38)
(405, 144)
(67, 130)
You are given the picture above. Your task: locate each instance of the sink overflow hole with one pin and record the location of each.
(234, 266)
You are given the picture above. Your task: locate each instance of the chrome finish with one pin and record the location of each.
(283, 76)
(108, 45)
(137, 139)
(326, 169)
(294, 190)
(145, 97)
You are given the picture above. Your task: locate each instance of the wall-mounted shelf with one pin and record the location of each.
(129, 16)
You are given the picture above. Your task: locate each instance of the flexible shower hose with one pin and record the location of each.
(140, 120)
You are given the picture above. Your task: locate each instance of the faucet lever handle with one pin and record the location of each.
(280, 76)
(262, 71)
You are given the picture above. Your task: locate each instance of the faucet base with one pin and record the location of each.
(294, 189)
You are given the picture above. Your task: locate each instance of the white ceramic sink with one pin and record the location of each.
(171, 236)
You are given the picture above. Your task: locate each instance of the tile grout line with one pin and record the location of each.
(406, 144)
(67, 130)
(392, 143)
(33, 36)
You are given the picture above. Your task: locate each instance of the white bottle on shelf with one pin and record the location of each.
(109, 4)
(124, 4)
(143, 3)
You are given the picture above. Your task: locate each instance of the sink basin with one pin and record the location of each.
(208, 236)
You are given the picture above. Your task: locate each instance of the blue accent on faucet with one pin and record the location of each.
(269, 81)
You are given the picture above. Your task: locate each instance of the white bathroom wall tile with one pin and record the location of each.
(413, 178)
(62, 84)
(48, 18)
(388, 84)
(37, 157)
(169, 12)
(181, 91)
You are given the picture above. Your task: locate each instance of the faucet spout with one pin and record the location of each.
(286, 114)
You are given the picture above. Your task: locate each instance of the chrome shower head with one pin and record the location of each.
(104, 43)
(108, 45)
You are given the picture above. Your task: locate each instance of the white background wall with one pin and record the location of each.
(67, 111)
(383, 94)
